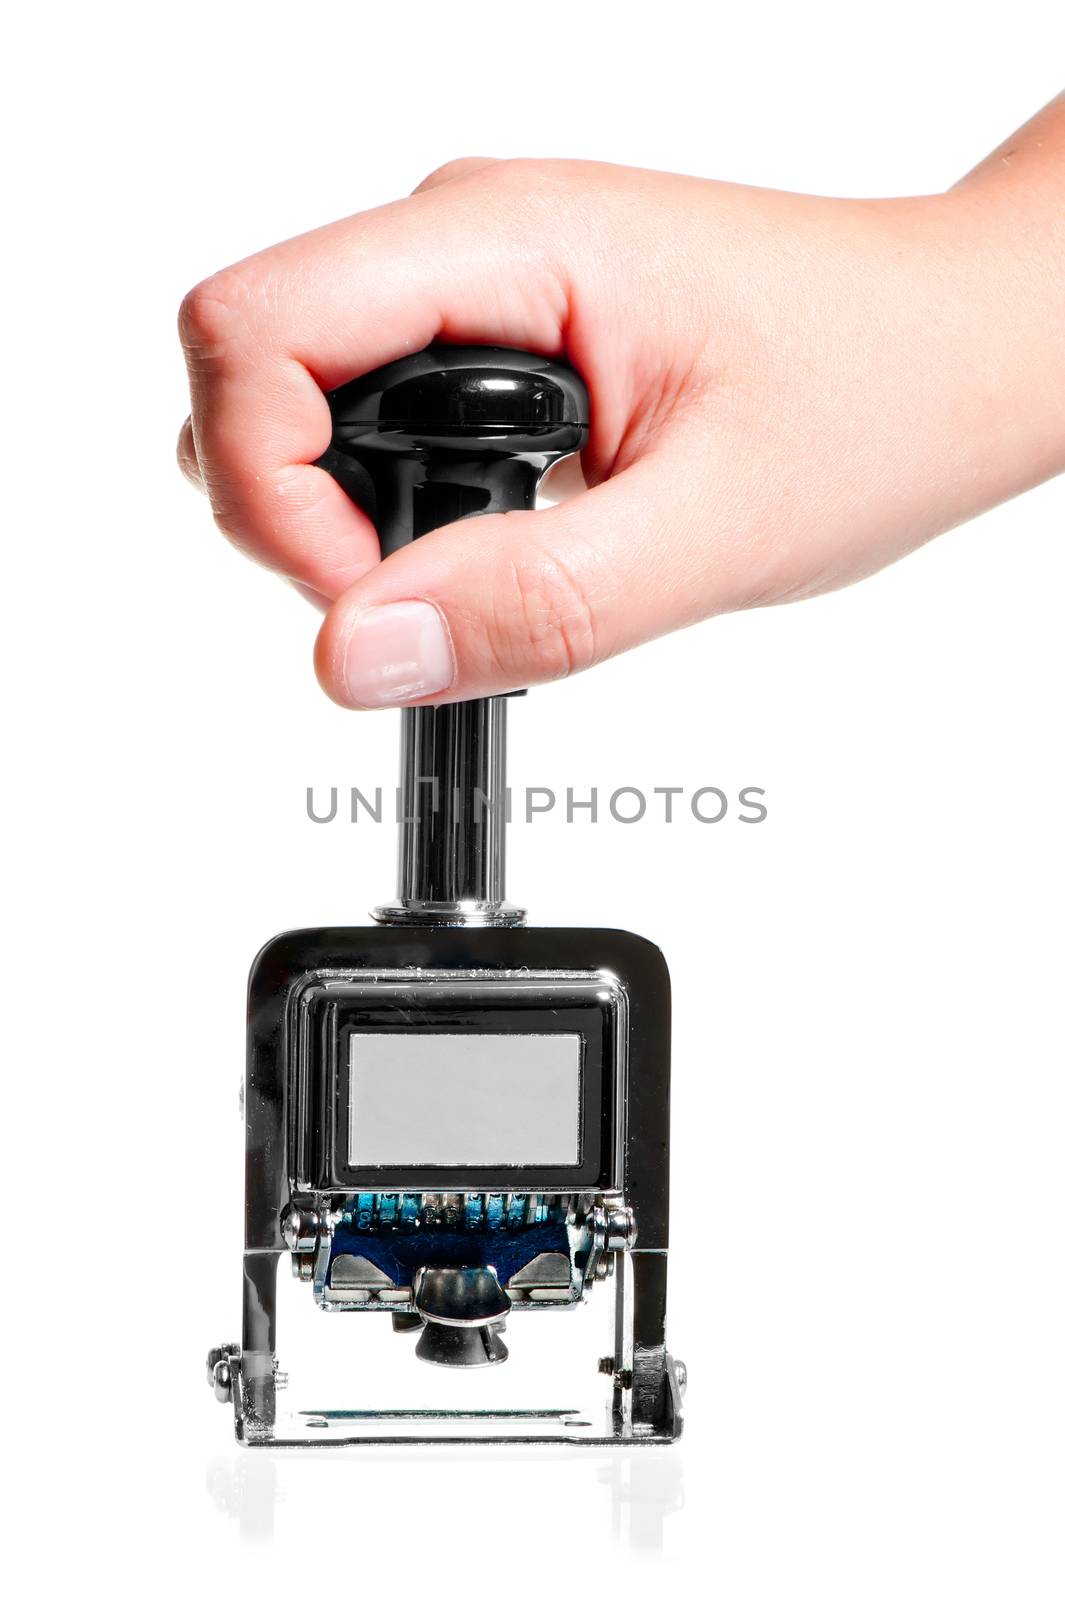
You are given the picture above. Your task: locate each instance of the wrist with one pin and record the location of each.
(999, 252)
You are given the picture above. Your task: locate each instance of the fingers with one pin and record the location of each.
(497, 603)
(258, 423)
(190, 466)
(265, 338)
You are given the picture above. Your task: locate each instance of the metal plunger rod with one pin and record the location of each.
(452, 826)
(452, 433)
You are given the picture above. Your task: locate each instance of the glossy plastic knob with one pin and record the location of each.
(454, 431)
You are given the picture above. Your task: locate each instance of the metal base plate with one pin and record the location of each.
(310, 1428)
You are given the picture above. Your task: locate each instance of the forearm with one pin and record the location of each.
(1011, 213)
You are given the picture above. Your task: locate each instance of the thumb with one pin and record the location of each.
(491, 604)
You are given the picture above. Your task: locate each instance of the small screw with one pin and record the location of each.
(220, 1361)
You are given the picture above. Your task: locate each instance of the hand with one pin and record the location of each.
(787, 393)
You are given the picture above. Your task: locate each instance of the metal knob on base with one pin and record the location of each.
(462, 1307)
(460, 1347)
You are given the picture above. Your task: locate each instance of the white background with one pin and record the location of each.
(869, 1177)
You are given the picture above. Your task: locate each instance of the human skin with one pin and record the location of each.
(788, 392)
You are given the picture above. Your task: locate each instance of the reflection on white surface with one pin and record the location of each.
(646, 1486)
(627, 1493)
(243, 1485)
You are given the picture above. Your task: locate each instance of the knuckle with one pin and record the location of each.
(209, 313)
(537, 174)
(519, 174)
(443, 174)
(523, 167)
(538, 199)
(544, 621)
(525, 174)
(187, 457)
